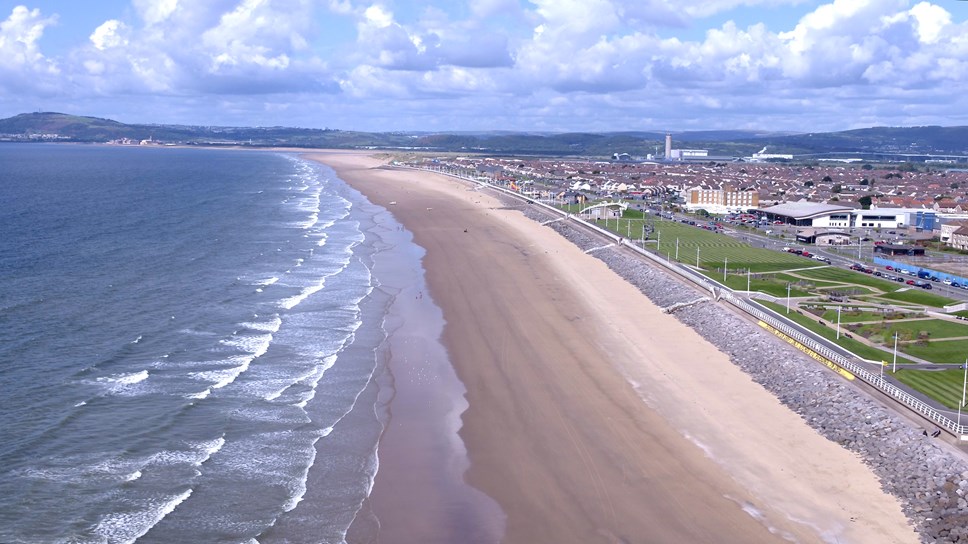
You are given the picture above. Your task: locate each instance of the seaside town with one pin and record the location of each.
(928, 198)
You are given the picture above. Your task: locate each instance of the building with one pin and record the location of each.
(896, 249)
(813, 214)
(668, 147)
(959, 238)
(689, 154)
(949, 227)
(720, 201)
(809, 214)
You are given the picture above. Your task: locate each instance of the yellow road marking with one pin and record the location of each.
(830, 364)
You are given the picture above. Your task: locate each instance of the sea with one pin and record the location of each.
(190, 345)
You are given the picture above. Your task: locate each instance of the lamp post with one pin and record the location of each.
(838, 321)
(964, 385)
(748, 281)
(677, 248)
(788, 297)
(894, 366)
(725, 263)
(697, 256)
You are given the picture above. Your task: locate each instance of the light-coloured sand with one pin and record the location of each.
(592, 416)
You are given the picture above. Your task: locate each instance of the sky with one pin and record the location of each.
(484, 65)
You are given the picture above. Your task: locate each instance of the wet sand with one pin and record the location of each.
(592, 416)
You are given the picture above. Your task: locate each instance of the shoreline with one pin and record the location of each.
(559, 436)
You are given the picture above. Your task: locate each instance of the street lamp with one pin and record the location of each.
(697, 256)
(788, 297)
(677, 248)
(964, 386)
(838, 321)
(725, 264)
(748, 281)
(894, 367)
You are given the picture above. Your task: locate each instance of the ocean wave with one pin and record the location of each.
(125, 379)
(83, 469)
(123, 383)
(266, 281)
(309, 223)
(270, 326)
(200, 395)
(293, 301)
(256, 345)
(209, 448)
(223, 376)
(130, 526)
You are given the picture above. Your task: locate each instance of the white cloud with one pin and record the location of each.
(589, 63)
(19, 37)
(155, 11)
(111, 33)
(931, 21)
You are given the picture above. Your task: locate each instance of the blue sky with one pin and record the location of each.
(544, 65)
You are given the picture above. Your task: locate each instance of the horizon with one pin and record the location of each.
(536, 66)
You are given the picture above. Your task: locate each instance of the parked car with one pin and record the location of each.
(909, 282)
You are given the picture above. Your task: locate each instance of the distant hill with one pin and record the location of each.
(919, 141)
(927, 140)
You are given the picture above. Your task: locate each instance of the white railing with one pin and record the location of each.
(816, 344)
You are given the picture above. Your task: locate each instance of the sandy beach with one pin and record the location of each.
(591, 416)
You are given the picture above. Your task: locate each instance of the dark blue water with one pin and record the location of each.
(187, 337)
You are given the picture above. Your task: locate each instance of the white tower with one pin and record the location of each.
(668, 153)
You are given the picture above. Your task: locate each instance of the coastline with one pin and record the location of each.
(555, 431)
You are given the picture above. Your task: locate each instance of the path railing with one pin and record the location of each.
(721, 292)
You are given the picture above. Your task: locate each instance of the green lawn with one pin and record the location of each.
(767, 283)
(851, 315)
(916, 295)
(944, 386)
(715, 249)
(909, 330)
(945, 352)
(842, 275)
(830, 333)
